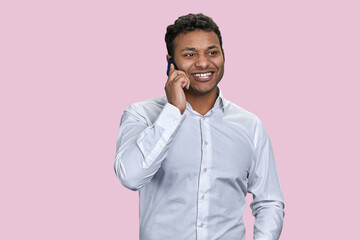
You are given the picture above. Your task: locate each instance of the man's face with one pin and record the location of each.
(199, 55)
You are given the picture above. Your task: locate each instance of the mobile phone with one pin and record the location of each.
(171, 61)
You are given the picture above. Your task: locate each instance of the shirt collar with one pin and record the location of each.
(219, 103)
(220, 100)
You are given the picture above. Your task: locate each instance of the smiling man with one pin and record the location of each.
(193, 155)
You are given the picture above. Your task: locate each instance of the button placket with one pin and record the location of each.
(204, 180)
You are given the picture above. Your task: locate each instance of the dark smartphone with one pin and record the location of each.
(168, 67)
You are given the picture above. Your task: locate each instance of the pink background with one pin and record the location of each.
(68, 69)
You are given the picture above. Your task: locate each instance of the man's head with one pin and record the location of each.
(188, 23)
(194, 43)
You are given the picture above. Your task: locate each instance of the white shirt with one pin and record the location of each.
(193, 172)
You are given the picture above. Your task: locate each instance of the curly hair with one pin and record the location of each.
(188, 23)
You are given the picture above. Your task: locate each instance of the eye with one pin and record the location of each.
(213, 53)
(189, 55)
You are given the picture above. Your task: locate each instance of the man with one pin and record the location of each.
(193, 155)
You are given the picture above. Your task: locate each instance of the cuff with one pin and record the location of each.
(169, 118)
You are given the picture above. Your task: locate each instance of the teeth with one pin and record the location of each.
(203, 75)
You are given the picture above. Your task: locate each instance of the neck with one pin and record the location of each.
(202, 103)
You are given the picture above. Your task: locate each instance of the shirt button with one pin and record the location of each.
(206, 143)
(201, 225)
(203, 196)
(175, 121)
(205, 169)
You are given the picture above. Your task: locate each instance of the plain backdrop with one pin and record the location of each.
(68, 69)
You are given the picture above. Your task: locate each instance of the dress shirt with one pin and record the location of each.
(193, 172)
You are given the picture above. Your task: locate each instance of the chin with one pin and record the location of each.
(198, 91)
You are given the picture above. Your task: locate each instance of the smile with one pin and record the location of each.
(202, 76)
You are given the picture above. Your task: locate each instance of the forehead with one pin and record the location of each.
(198, 39)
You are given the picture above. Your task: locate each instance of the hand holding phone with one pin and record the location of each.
(170, 61)
(176, 81)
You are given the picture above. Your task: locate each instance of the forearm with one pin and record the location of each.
(268, 220)
(129, 168)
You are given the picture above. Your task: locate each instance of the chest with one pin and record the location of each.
(216, 146)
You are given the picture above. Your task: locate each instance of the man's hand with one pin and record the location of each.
(177, 80)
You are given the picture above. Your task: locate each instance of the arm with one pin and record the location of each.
(263, 182)
(140, 148)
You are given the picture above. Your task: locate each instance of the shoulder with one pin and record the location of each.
(237, 113)
(246, 121)
(151, 103)
(148, 110)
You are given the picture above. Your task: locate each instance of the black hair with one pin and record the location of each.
(189, 23)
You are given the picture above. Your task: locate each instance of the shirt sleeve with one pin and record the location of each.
(141, 147)
(263, 182)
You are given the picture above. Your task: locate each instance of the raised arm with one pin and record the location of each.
(142, 146)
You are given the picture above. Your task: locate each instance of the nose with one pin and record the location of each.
(202, 61)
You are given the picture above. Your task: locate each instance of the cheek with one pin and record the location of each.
(186, 67)
(219, 64)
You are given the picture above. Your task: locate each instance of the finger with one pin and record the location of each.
(183, 81)
(188, 85)
(173, 73)
(172, 68)
(183, 84)
(179, 80)
(178, 72)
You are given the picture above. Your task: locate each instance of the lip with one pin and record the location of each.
(203, 79)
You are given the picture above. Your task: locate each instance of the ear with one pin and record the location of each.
(168, 57)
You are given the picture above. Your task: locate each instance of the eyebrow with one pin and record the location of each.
(212, 47)
(194, 49)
